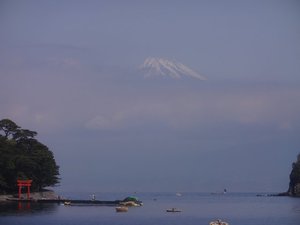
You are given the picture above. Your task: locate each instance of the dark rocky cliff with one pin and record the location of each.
(294, 186)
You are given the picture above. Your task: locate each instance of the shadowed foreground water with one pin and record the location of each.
(197, 209)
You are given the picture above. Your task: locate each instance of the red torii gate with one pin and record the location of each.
(24, 183)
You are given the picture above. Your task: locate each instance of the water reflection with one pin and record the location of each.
(197, 209)
(20, 208)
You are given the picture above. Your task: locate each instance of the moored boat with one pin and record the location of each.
(131, 201)
(173, 210)
(121, 209)
(218, 222)
(67, 203)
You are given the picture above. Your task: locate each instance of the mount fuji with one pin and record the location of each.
(160, 67)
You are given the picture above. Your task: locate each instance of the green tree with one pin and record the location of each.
(24, 157)
(8, 127)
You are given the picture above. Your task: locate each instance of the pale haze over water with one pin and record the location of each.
(69, 70)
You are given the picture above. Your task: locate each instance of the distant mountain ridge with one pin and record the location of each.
(160, 67)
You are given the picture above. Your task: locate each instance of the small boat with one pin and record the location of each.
(121, 209)
(220, 193)
(67, 203)
(173, 210)
(218, 222)
(129, 203)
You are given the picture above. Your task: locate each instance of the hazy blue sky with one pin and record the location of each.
(68, 70)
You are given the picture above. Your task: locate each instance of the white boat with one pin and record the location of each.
(129, 203)
(218, 222)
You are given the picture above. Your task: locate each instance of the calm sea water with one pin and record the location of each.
(197, 209)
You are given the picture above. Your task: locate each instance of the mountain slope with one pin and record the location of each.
(166, 68)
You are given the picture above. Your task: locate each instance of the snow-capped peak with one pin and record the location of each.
(164, 67)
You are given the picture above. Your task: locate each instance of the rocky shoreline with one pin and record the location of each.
(47, 194)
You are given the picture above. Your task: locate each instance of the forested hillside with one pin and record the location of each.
(22, 156)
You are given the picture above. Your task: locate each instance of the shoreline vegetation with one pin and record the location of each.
(23, 157)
